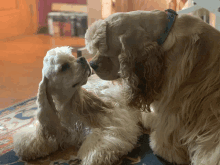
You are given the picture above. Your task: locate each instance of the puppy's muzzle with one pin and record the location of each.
(94, 65)
(85, 64)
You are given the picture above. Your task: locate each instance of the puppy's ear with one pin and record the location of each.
(95, 37)
(47, 113)
(141, 65)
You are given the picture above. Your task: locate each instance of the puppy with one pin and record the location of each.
(101, 125)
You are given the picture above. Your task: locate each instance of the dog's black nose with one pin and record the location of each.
(81, 60)
(93, 65)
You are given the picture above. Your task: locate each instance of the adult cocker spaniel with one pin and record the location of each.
(98, 122)
(179, 79)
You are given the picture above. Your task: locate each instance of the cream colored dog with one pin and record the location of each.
(102, 125)
(179, 79)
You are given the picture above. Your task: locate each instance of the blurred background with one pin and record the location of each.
(29, 28)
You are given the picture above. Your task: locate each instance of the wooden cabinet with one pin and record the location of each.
(18, 17)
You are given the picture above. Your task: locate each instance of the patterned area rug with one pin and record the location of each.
(13, 118)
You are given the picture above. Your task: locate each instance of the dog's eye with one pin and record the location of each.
(65, 67)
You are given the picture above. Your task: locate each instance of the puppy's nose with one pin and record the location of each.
(81, 60)
(93, 65)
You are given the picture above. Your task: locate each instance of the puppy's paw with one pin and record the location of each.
(30, 145)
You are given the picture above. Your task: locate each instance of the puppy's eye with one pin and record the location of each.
(65, 67)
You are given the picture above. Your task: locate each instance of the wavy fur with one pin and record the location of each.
(180, 81)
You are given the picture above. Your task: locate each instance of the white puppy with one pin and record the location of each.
(102, 124)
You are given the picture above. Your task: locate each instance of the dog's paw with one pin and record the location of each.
(75, 162)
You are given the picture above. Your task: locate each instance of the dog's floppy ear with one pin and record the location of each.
(96, 37)
(47, 113)
(141, 65)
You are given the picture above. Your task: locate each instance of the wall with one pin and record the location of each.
(44, 7)
(94, 10)
(18, 17)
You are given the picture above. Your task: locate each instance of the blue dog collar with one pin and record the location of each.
(171, 15)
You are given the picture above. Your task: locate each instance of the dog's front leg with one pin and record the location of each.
(102, 148)
(29, 144)
(172, 152)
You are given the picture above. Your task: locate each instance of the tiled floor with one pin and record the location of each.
(21, 61)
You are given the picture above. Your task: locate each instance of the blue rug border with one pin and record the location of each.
(12, 107)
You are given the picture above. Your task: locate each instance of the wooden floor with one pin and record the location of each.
(21, 61)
